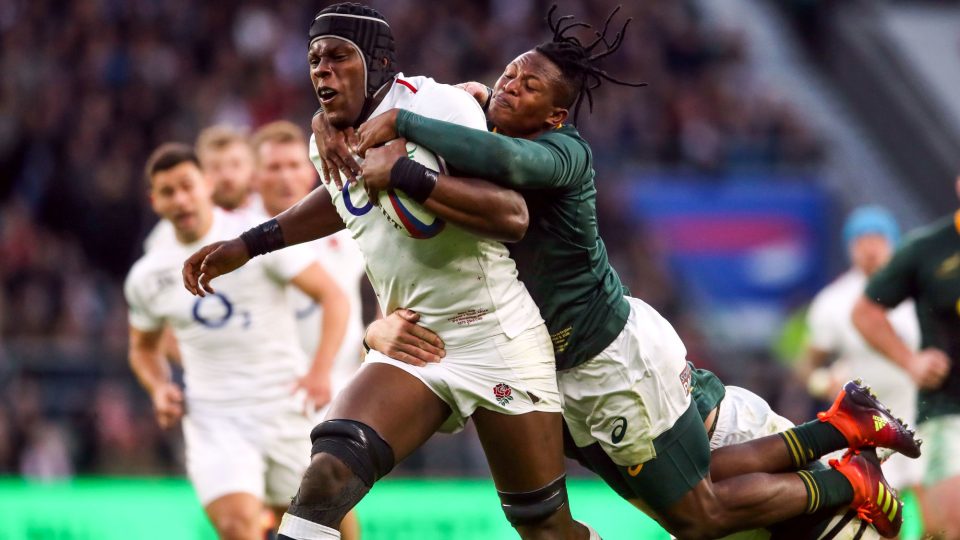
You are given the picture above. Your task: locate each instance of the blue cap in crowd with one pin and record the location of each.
(871, 220)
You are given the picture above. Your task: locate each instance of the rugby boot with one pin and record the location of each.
(873, 498)
(865, 422)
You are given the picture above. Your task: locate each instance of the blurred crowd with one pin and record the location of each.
(91, 86)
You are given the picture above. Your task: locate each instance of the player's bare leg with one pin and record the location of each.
(525, 454)
(382, 416)
(236, 516)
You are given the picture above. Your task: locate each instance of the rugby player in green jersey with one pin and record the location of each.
(926, 268)
(622, 368)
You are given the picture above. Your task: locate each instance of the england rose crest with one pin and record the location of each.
(503, 393)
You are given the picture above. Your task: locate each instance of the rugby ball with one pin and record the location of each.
(405, 214)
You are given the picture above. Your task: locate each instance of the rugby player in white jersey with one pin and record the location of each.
(243, 428)
(870, 235)
(284, 175)
(499, 364)
(228, 165)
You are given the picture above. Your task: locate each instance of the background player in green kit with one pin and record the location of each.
(927, 269)
(623, 372)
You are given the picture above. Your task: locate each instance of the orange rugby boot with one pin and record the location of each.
(865, 422)
(873, 498)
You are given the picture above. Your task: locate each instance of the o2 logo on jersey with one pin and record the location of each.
(348, 204)
(215, 310)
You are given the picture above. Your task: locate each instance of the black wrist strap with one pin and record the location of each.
(413, 179)
(263, 238)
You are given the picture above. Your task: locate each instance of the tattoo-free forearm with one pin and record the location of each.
(312, 218)
(870, 319)
(481, 207)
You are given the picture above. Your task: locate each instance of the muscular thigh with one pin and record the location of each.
(525, 451)
(397, 405)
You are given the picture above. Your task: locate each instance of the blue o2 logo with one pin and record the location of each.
(349, 204)
(213, 310)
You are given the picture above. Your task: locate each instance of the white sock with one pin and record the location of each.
(300, 529)
(594, 535)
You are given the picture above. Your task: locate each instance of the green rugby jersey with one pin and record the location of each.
(927, 269)
(562, 259)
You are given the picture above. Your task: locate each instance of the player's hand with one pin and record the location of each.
(210, 261)
(167, 405)
(400, 337)
(334, 146)
(376, 131)
(929, 368)
(477, 91)
(378, 164)
(317, 390)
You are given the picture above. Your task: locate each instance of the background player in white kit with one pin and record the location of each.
(499, 366)
(284, 175)
(244, 432)
(870, 235)
(227, 160)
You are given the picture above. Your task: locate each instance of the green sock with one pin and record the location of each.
(812, 440)
(826, 489)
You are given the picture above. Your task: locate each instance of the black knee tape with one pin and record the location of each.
(531, 507)
(355, 444)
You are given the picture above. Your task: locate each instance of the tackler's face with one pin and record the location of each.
(338, 73)
(524, 97)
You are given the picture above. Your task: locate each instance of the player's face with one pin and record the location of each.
(870, 252)
(284, 174)
(523, 98)
(182, 196)
(229, 171)
(337, 72)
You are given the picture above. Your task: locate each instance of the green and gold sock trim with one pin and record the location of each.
(813, 491)
(795, 448)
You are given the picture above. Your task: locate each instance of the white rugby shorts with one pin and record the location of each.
(261, 450)
(631, 392)
(941, 446)
(503, 375)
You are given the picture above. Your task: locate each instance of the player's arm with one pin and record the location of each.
(887, 288)
(478, 206)
(313, 217)
(316, 283)
(153, 371)
(515, 163)
(927, 368)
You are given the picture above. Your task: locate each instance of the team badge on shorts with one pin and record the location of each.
(503, 393)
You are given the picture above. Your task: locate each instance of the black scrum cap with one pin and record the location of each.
(365, 29)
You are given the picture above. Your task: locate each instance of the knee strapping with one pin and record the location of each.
(531, 507)
(357, 445)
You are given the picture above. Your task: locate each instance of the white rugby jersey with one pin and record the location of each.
(342, 259)
(832, 330)
(465, 288)
(239, 346)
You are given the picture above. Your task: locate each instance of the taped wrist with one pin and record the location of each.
(263, 238)
(413, 179)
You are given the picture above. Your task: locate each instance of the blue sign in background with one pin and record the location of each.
(739, 248)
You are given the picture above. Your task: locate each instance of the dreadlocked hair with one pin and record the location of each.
(578, 62)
